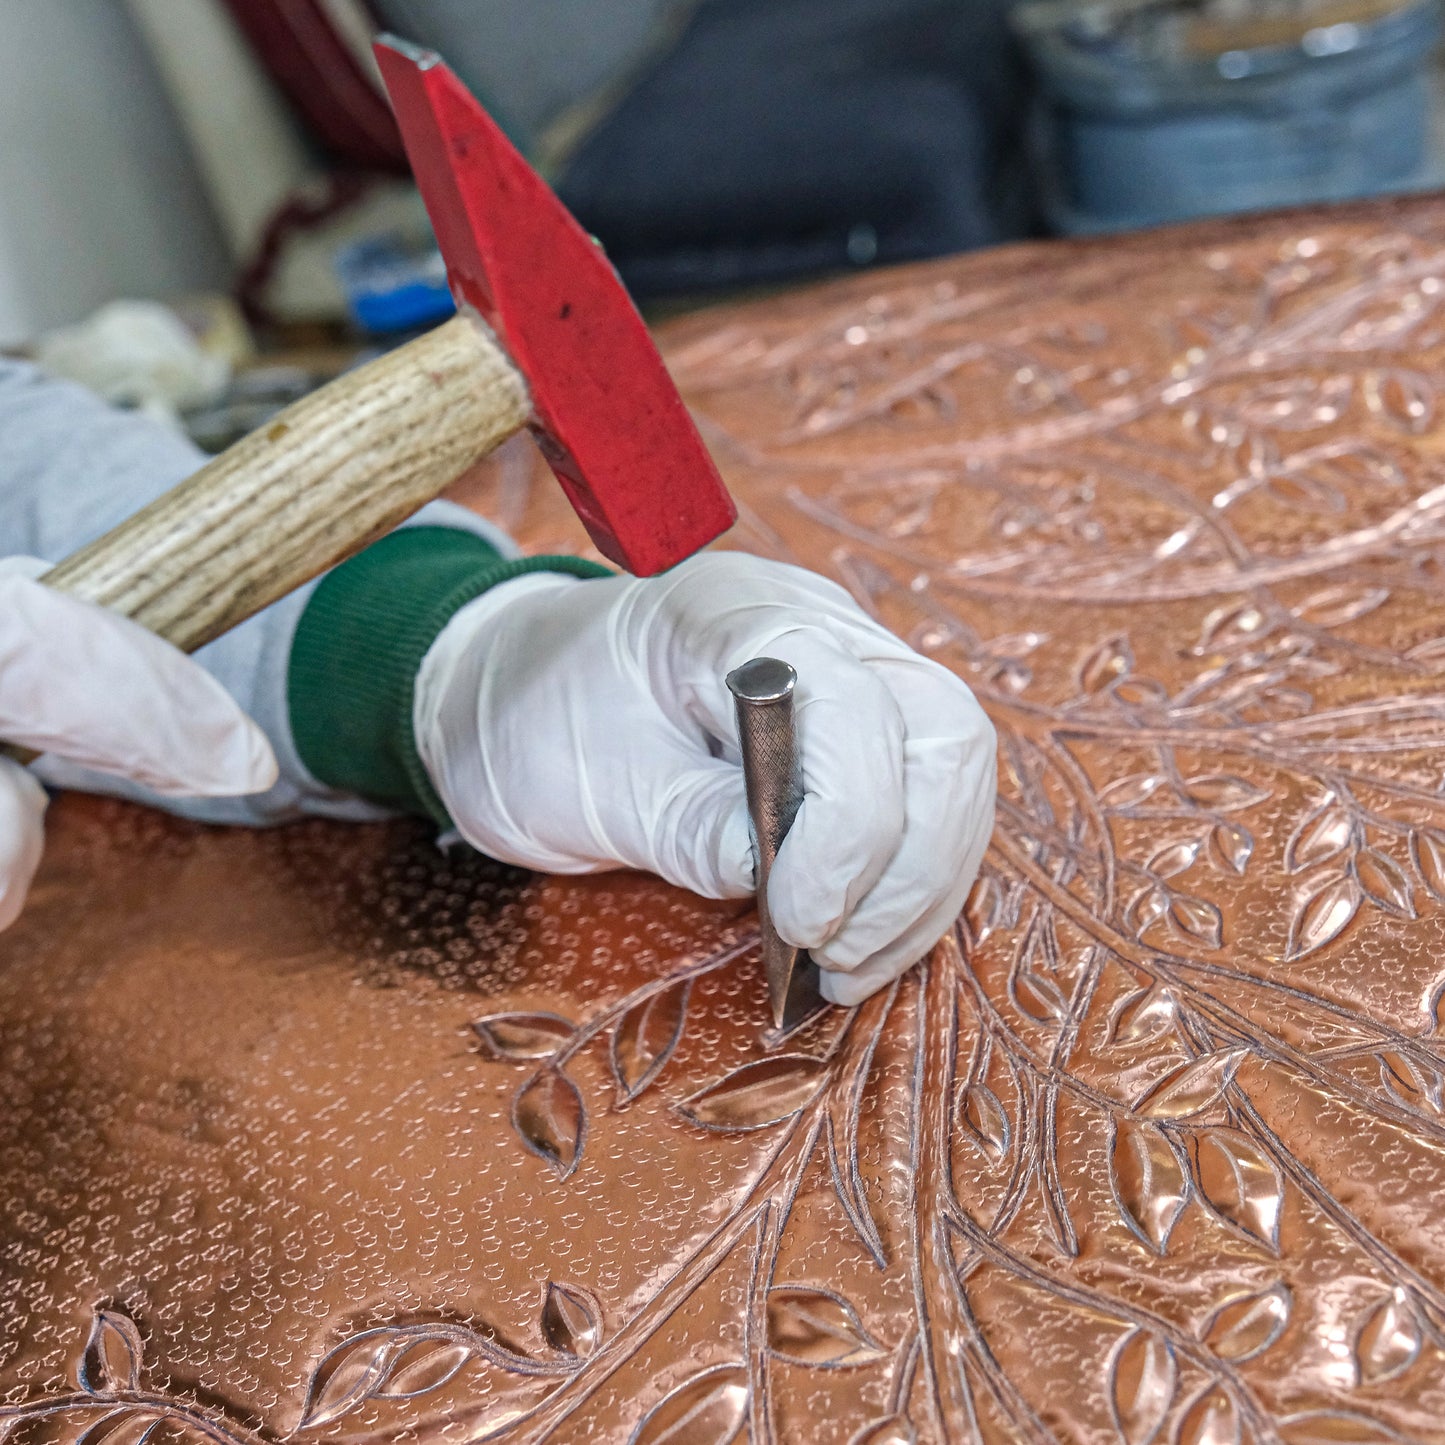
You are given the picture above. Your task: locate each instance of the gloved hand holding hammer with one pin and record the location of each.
(555, 715)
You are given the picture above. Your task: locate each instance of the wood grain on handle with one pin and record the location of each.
(324, 478)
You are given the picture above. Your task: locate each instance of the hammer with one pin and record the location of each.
(545, 337)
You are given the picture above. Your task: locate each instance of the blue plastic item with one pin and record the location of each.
(392, 286)
(1140, 129)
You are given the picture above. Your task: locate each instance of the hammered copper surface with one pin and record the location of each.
(323, 1135)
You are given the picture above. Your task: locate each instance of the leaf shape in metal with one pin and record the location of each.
(421, 1366)
(517, 1037)
(1143, 1015)
(1387, 1339)
(1174, 858)
(645, 1037)
(1198, 918)
(708, 1408)
(1223, 792)
(1247, 1326)
(1335, 606)
(1318, 836)
(1129, 792)
(1413, 1083)
(571, 1320)
(1335, 1427)
(1191, 1088)
(890, 1430)
(985, 1121)
(1038, 997)
(1111, 660)
(764, 1092)
(1239, 1182)
(1231, 845)
(549, 1115)
(1427, 853)
(1384, 882)
(1323, 908)
(1143, 1376)
(1148, 1181)
(808, 1326)
(1210, 1419)
(111, 1361)
(125, 1425)
(346, 1377)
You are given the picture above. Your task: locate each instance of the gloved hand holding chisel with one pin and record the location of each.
(555, 715)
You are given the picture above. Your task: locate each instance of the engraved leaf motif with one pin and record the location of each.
(1335, 606)
(1233, 845)
(1387, 1339)
(1239, 1182)
(1323, 910)
(1173, 858)
(422, 1365)
(709, 1408)
(571, 1320)
(1038, 997)
(111, 1361)
(121, 1426)
(1223, 792)
(1148, 1181)
(1106, 663)
(757, 1094)
(1130, 791)
(891, 1430)
(1416, 1085)
(347, 1376)
(808, 1326)
(1197, 917)
(1245, 1327)
(1403, 397)
(548, 1114)
(986, 1121)
(1427, 853)
(517, 1037)
(1211, 1419)
(1227, 627)
(1319, 836)
(646, 1036)
(1143, 1015)
(1335, 1427)
(1143, 1376)
(1191, 1088)
(1384, 882)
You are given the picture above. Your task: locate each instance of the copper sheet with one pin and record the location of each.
(320, 1134)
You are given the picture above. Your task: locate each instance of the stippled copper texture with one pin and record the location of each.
(323, 1135)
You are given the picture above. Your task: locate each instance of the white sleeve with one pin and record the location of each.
(71, 468)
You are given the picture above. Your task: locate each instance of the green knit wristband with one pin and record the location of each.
(360, 642)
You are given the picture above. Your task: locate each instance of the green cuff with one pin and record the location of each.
(360, 642)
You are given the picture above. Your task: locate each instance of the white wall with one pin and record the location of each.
(99, 196)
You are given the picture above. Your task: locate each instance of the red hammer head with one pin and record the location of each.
(605, 411)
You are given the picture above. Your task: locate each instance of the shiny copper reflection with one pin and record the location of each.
(324, 1133)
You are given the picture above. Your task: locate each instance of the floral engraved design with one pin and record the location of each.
(1139, 1154)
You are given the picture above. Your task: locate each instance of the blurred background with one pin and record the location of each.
(236, 162)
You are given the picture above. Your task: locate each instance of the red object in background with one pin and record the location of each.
(608, 417)
(325, 82)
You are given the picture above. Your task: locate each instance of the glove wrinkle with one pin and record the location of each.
(581, 725)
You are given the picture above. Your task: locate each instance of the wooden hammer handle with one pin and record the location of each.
(324, 478)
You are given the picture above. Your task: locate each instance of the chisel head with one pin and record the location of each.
(605, 411)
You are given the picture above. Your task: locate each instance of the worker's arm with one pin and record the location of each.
(572, 723)
(71, 468)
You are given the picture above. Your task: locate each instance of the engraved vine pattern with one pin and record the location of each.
(1190, 560)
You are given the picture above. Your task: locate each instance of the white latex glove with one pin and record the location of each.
(574, 726)
(85, 684)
